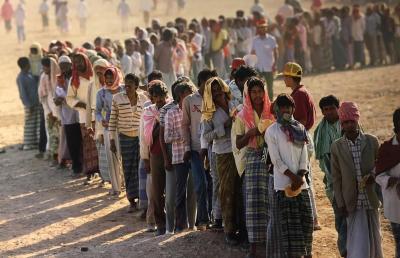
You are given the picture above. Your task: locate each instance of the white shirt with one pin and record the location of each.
(136, 63)
(126, 64)
(286, 11)
(19, 16)
(358, 29)
(264, 50)
(80, 95)
(44, 8)
(391, 201)
(82, 10)
(285, 155)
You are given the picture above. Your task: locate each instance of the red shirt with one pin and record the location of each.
(305, 108)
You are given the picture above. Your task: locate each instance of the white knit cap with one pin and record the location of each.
(64, 59)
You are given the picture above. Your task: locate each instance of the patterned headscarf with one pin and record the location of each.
(101, 64)
(247, 114)
(87, 74)
(116, 76)
(208, 107)
(295, 132)
(348, 111)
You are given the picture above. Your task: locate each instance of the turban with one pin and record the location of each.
(64, 59)
(348, 111)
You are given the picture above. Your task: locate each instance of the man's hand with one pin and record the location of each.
(113, 147)
(187, 156)
(147, 165)
(228, 123)
(253, 132)
(203, 154)
(81, 105)
(167, 164)
(343, 211)
(90, 131)
(297, 181)
(104, 123)
(392, 182)
(370, 180)
(58, 101)
(101, 140)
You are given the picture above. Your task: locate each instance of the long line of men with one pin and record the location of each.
(216, 155)
(171, 150)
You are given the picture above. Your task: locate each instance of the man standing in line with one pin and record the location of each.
(326, 133)
(352, 162)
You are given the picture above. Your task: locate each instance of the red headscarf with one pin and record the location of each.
(247, 113)
(348, 111)
(116, 76)
(87, 74)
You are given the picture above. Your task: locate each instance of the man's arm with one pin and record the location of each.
(186, 123)
(337, 177)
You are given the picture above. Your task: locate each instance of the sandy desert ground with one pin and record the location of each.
(43, 212)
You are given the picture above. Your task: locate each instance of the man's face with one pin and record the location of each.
(129, 48)
(184, 95)
(158, 100)
(65, 68)
(240, 83)
(257, 96)
(79, 61)
(350, 127)
(330, 113)
(130, 87)
(262, 30)
(109, 79)
(46, 69)
(286, 110)
(217, 94)
(34, 51)
(288, 81)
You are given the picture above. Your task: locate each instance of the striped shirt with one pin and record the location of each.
(125, 118)
(173, 133)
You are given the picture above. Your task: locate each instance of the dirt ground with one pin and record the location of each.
(44, 212)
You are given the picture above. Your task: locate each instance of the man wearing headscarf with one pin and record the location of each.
(290, 230)
(352, 162)
(249, 129)
(109, 165)
(388, 176)
(72, 147)
(47, 88)
(78, 97)
(216, 128)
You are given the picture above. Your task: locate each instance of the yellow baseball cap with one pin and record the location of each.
(292, 69)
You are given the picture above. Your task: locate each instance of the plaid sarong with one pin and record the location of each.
(32, 127)
(274, 231)
(90, 156)
(256, 196)
(103, 163)
(297, 224)
(143, 200)
(130, 162)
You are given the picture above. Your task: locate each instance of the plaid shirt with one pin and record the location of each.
(355, 149)
(173, 133)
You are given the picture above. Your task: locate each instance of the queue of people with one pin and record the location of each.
(187, 124)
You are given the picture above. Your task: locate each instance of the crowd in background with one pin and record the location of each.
(184, 118)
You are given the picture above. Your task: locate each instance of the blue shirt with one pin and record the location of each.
(28, 89)
(103, 104)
